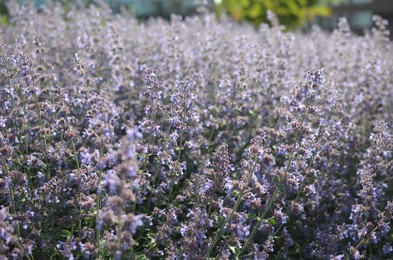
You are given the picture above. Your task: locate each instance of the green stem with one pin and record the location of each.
(301, 186)
(44, 137)
(234, 209)
(153, 185)
(13, 207)
(75, 154)
(222, 227)
(13, 204)
(155, 176)
(98, 202)
(272, 200)
(362, 242)
(16, 129)
(80, 216)
(249, 177)
(304, 180)
(178, 161)
(28, 256)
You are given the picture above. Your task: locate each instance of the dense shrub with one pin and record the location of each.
(192, 139)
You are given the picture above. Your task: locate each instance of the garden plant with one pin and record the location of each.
(192, 138)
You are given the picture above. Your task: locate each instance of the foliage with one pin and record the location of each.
(192, 139)
(290, 13)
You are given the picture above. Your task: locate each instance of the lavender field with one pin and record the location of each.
(192, 139)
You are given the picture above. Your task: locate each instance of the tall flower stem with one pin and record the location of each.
(277, 190)
(174, 174)
(221, 230)
(41, 122)
(364, 240)
(249, 177)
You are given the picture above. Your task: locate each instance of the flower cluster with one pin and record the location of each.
(193, 138)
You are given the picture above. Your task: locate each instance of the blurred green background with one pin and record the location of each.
(291, 13)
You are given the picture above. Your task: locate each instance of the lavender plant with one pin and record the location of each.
(192, 138)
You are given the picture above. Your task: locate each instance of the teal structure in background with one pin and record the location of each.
(359, 14)
(146, 8)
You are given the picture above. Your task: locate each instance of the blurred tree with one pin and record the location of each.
(291, 13)
(3, 13)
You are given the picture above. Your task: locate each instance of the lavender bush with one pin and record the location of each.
(192, 139)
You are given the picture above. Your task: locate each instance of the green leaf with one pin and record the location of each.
(151, 242)
(141, 257)
(251, 216)
(221, 220)
(254, 12)
(161, 203)
(177, 148)
(234, 193)
(297, 247)
(270, 221)
(65, 233)
(4, 20)
(234, 249)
